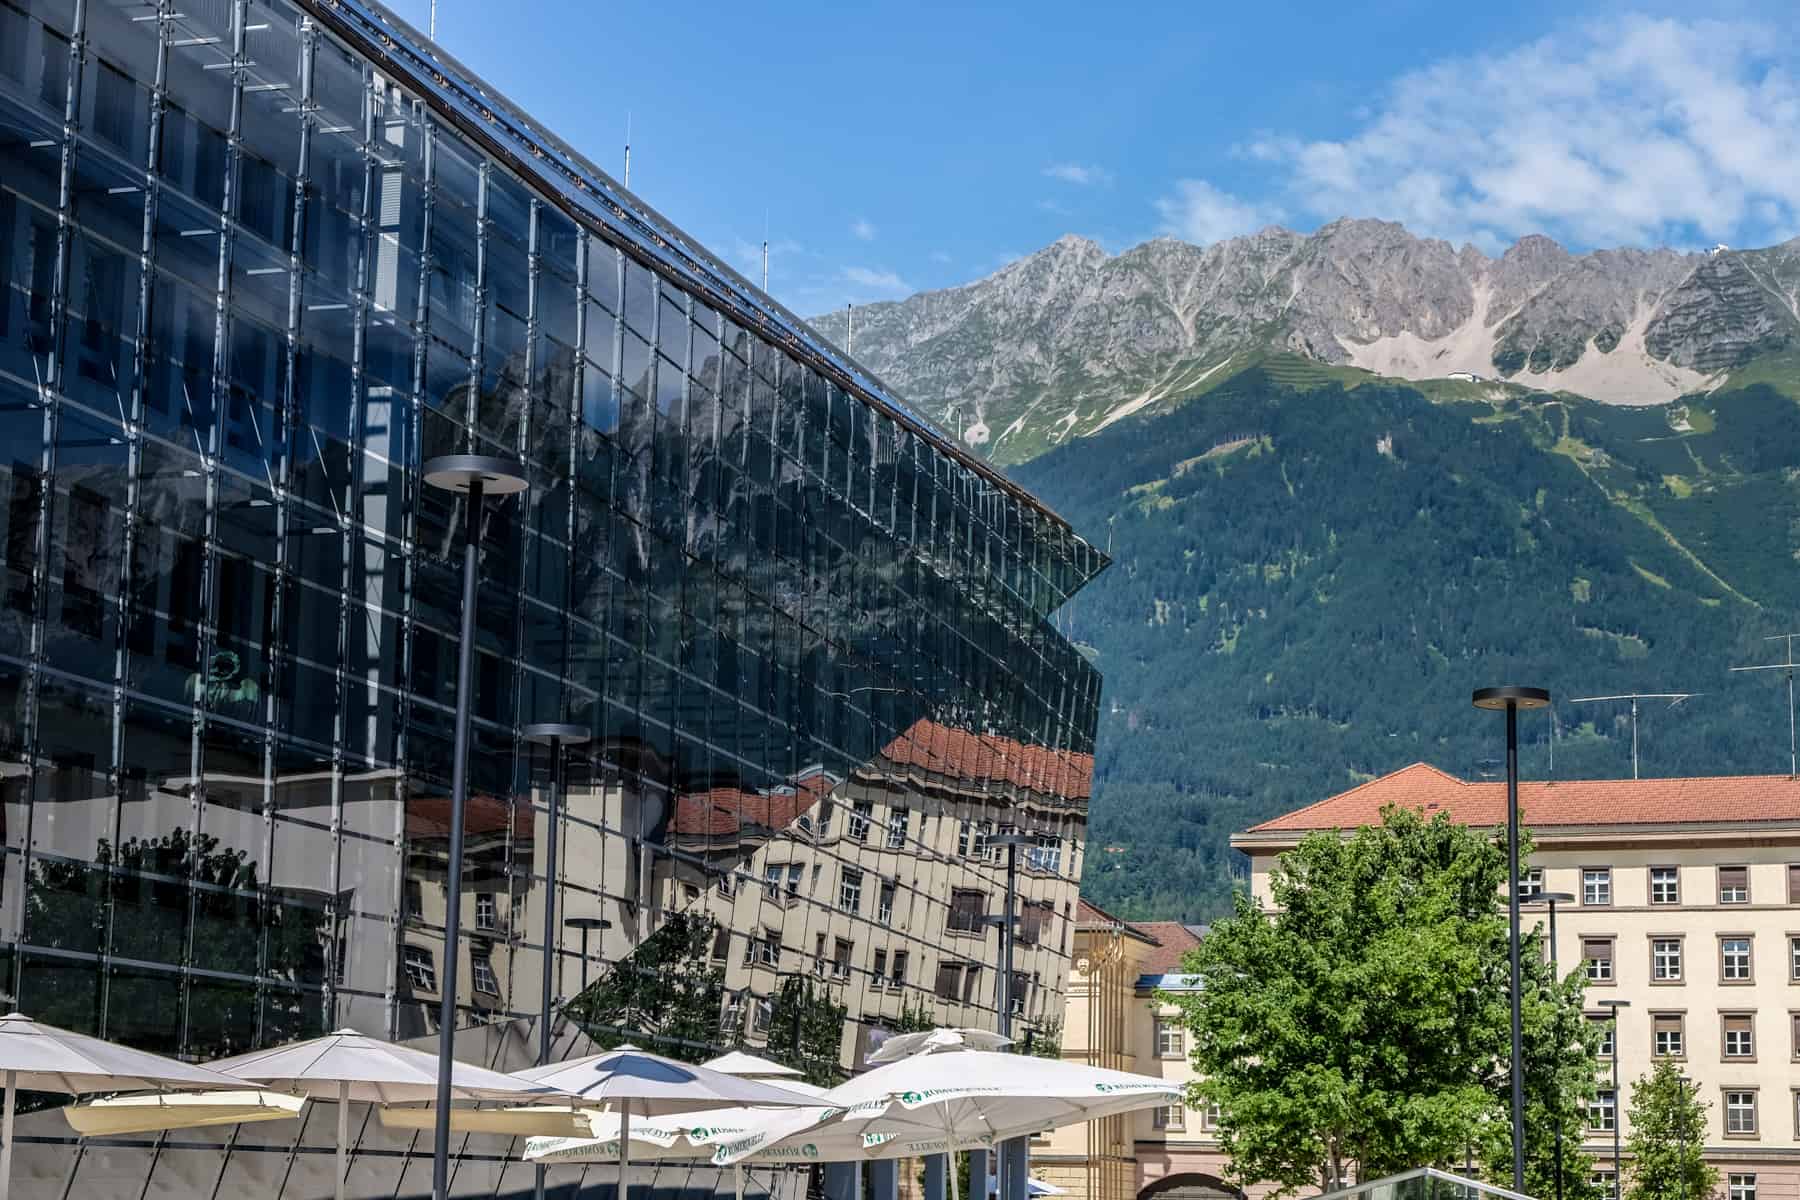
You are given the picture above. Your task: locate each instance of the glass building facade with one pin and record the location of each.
(258, 260)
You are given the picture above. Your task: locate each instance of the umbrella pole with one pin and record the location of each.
(6, 1137)
(624, 1152)
(950, 1157)
(343, 1138)
(737, 1180)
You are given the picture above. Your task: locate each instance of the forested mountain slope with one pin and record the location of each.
(1314, 567)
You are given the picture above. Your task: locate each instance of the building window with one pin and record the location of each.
(966, 910)
(1603, 1180)
(731, 1016)
(421, 972)
(1034, 918)
(1020, 996)
(487, 915)
(1667, 1038)
(1171, 1038)
(481, 974)
(1607, 1031)
(878, 970)
(782, 880)
(896, 827)
(1794, 883)
(768, 948)
(1665, 960)
(1734, 885)
(857, 827)
(972, 839)
(1169, 1118)
(1665, 885)
(1794, 959)
(819, 954)
(1209, 1117)
(1045, 853)
(840, 959)
(1597, 953)
(884, 908)
(762, 1014)
(415, 906)
(1734, 959)
(1596, 885)
(957, 980)
(1532, 885)
(1740, 1187)
(898, 978)
(1740, 1035)
(721, 945)
(850, 890)
(1740, 1113)
(1602, 1111)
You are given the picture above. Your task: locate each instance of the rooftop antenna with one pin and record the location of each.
(434, 20)
(850, 337)
(628, 147)
(765, 251)
(1788, 666)
(1674, 698)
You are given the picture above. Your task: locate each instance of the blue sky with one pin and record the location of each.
(892, 148)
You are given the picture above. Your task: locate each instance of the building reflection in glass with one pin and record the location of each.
(811, 637)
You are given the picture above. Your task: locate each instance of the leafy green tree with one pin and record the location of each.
(1668, 1139)
(806, 1030)
(1361, 1028)
(666, 996)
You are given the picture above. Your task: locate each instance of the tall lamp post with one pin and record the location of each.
(1618, 1172)
(473, 476)
(1511, 700)
(555, 736)
(585, 925)
(1553, 899)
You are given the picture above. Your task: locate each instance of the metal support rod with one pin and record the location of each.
(1512, 901)
(459, 787)
(548, 997)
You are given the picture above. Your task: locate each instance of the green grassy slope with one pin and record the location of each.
(1309, 579)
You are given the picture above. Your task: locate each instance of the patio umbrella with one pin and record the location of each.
(957, 1095)
(633, 1082)
(932, 1041)
(749, 1066)
(42, 1058)
(347, 1065)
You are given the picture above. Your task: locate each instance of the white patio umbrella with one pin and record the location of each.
(154, 1112)
(347, 1065)
(958, 1095)
(931, 1041)
(749, 1066)
(632, 1082)
(43, 1058)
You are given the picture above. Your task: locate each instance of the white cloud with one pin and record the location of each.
(1078, 174)
(862, 230)
(1638, 131)
(940, 256)
(879, 282)
(1200, 213)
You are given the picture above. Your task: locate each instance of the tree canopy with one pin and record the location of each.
(1361, 1027)
(1668, 1139)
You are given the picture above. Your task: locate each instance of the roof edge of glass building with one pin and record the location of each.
(595, 198)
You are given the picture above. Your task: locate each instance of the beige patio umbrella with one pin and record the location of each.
(43, 1058)
(154, 1112)
(347, 1065)
(632, 1082)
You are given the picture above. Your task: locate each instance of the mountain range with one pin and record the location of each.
(1070, 340)
(1348, 477)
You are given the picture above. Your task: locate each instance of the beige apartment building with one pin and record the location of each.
(1686, 906)
(1114, 1019)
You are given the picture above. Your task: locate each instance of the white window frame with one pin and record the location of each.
(1665, 959)
(850, 884)
(1603, 1111)
(1740, 1185)
(1747, 1034)
(420, 966)
(1735, 967)
(1665, 890)
(1171, 1038)
(898, 823)
(487, 911)
(481, 974)
(1740, 1105)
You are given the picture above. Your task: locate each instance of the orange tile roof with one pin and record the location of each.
(1173, 941)
(1089, 913)
(428, 817)
(960, 754)
(1704, 800)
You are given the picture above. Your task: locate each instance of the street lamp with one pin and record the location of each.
(1511, 700)
(1618, 1172)
(1553, 899)
(555, 736)
(471, 475)
(586, 925)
